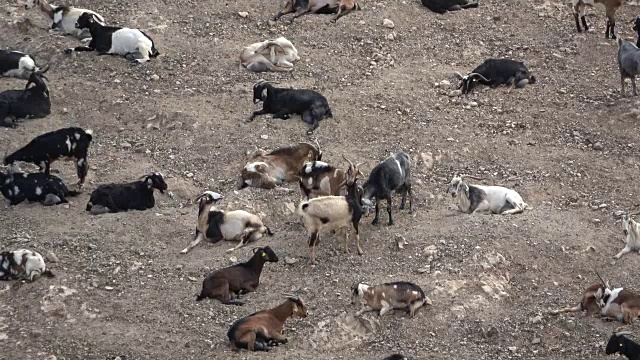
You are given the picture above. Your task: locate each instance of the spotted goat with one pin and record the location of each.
(47, 189)
(22, 265)
(389, 296)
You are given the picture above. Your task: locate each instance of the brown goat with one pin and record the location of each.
(263, 329)
(272, 169)
(318, 178)
(611, 6)
(388, 296)
(588, 303)
(302, 7)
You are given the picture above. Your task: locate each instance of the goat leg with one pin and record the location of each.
(346, 240)
(342, 11)
(364, 309)
(278, 338)
(576, 17)
(584, 23)
(623, 251)
(375, 218)
(192, 244)
(622, 91)
(78, 48)
(256, 113)
(284, 115)
(298, 14)
(243, 241)
(386, 307)
(633, 84)
(355, 227)
(389, 209)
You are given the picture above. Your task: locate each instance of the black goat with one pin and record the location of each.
(396, 356)
(71, 142)
(393, 174)
(31, 103)
(282, 102)
(618, 343)
(44, 188)
(137, 195)
(495, 72)
(442, 6)
(17, 64)
(636, 28)
(237, 279)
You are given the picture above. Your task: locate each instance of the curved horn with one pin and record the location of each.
(350, 163)
(459, 75)
(479, 75)
(45, 70)
(605, 283)
(318, 146)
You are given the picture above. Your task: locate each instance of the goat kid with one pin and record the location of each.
(442, 6)
(215, 225)
(611, 6)
(22, 264)
(631, 232)
(17, 64)
(496, 199)
(620, 343)
(318, 178)
(388, 296)
(47, 189)
(30, 103)
(302, 7)
(269, 55)
(393, 174)
(628, 64)
(64, 18)
(496, 72)
(137, 195)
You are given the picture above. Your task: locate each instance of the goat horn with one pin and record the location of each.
(317, 145)
(459, 75)
(601, 279)
(480, 75)
(350, 163)
(45, 70)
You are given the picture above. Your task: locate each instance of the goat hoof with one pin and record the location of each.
(68, 51)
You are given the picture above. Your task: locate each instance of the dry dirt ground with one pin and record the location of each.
(123, 289)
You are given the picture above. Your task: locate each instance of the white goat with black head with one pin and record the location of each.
(496, 199)
(631, 231)
(393, 174)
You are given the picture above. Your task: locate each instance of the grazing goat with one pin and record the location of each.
(71, 142)
(388, 296)
(137, 195)
(22, 264)
(442, 6)
(64, 18)
(611, 6)
(282, 102)
(329, 213)
(620, 343)
(30, 103)
(496, 72)
(588, 303)
(237, 279)
(269, 55)
(133, 44)
(17, 64)
(268, 170)
(393, 174)
(628, 64)
(263, 329)
(318, 178)
(215, 225)
(631, 231)
(302, 7)
(44, 188)
(496, 199)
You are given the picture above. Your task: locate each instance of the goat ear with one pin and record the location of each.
(149, 182)
(264, 93)
(466, 190)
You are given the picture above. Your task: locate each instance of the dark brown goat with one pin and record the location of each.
(263, 329)
(302, 7)
(588, 303)
(237, 279)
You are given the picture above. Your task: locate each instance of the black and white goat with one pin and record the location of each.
(215, 225)
(64, 18)
(44, 188)
(496, 72)
(137, 195)
(393, 174)
(496, 199)
(17, 64)
(71, 142)
(442, 6)
(620, 343)
(133, 44)
(282, 102)
(618, 303)
(22, 264)
(30, 103)
(388, 296)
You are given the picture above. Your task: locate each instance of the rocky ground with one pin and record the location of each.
(568, 144)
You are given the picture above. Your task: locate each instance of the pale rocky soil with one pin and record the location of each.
(126, 290)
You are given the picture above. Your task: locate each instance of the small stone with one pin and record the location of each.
(473, 104)
(430, 250)
(512, 348)
(271, 22)
(125, 145)
(65, 110)
(116, 81)
(535, 341)
(455, 93)
(390, 37)
(424, 270)
(598, 146)
(179, 267)
(536, 319)
(243, 14)
(596, 221)
(51, 257)
(108, 288)
(264, 137)
(192, 278)
(117, 270)
(388, 23)
(189, 175)
(233, 259)
(291, 207)
(155, 77)
(497, 18)
(290, 260)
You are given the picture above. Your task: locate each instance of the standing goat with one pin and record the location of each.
(393, 174)
(496, 199)
(30, 103)
(318, 178)
(137, 195)
(64, 18)
(620, 343)
(215, 225)
(628, 64)
(269, 55)
(133, 44)
(22, 264)
(631, 232)
(17, 64)
(72, 142)
(388, 296)
(302, 7)
(442, 6)
(611, 7)
(263, 329)
(496, 72)
(268, 170)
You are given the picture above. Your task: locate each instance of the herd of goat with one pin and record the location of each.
(332, 198)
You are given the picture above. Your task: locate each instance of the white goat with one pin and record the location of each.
(64, 18)
(496, 199)
(22, 264)
(631, 231)
(269, 55)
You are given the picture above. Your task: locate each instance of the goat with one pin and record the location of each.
(393, 174)
(71, 142)
(282, 102)
(215, 225)
(137, 195)
(64, 18)
(620, 343)
(628, 64)
(22, 264)
(17, 64)
(269, 55)
(47, 189)
(329, 213)
(133, 44)
(269, 170)
(396, 357)
(631, 231)
(442, 6)
(496, 72)
(263, 329)
(618, 303)
(588, 303)
(30, 103)
(239, 278)
(302, 7)
(318, 178)
(611, 6)
(388, 296)
(496, 199)
(636, 28)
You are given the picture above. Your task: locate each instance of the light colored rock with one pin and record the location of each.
(125, 145)
(51, 257)
(243, 14)
(388, 23)
(290, 260)
(430, 250)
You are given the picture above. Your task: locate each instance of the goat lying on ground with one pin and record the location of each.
(442, 6)
(64, 18)
(619, 304)
(47, 189)
(496, 72)
(137, 195)
(318, 178)
(620, 343)
(263, 329)
(496, 199)
(388, 296)
(628, 64)
(270, 169)
(631, 231)
(22, 264)
(588, 303)
(215, 225)
(302, 7)
(30, 103)
(393, 174)
(611, 7)
(17, 64)
(396, 357)
(240, 278)
(72, 142)
(269, 55)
